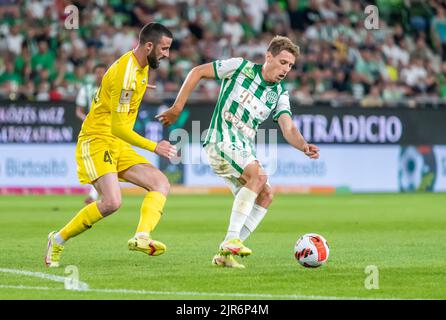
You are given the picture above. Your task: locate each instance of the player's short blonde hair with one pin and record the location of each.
(280, 43)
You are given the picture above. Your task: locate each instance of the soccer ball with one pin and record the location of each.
(311, 250)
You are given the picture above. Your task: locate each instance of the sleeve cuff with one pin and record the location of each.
(214, 64)
(151, 146)
(277, 116)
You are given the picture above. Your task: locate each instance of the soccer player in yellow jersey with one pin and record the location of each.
(104, 154)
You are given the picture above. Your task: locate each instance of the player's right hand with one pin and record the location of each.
(169, 116)
(311, 151)
(165, 149)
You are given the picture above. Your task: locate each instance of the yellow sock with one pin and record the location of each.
(151, 211)
(81, 222)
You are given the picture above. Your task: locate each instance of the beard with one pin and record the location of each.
(152, 60)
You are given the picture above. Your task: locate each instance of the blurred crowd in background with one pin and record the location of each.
(405, 58)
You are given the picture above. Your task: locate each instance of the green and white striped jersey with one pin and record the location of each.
(85, 96)
(245, 101)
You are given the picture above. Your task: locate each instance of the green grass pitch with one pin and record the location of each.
(403, 235)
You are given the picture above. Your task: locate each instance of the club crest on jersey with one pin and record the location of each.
(247, 71)
(244, 154)
(272, 97)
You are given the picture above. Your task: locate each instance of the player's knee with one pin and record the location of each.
(259, 180)
(164, 187)
(161, 184)
(110, 205)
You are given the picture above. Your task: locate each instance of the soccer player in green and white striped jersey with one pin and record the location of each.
(88, 91)
(84, 99)
(249, 94)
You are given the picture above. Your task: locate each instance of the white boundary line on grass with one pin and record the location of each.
(205, 294)
(150, 292)
(42, 275)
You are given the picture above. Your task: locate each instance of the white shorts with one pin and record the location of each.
(228, 161)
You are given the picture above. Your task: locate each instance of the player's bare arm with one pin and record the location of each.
(204, 71)
(295, 138)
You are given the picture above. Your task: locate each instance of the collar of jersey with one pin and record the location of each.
(264, 83)
(137, 63)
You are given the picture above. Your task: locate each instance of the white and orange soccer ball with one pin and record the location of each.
(311, 250)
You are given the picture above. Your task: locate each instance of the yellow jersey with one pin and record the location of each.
(115, 106)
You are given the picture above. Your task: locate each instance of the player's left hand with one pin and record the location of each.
(169, 116)
(165, 149)
(311, 151)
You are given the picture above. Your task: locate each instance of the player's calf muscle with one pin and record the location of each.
(265, 198)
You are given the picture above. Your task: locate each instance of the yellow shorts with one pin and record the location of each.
(96, 157)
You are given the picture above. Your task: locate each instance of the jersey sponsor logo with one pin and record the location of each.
(247, 71)
(126, 95)
(246, 97)
(272, 97)
(239, 124)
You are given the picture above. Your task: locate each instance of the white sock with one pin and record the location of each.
(243, 203)
(93, 193)
(255, 217)
(59, 240)
(141, 234)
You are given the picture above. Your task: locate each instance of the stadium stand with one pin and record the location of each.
(341, 61)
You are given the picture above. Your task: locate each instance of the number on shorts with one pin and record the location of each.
(107, 157)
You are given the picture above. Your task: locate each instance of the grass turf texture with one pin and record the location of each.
(402, 234)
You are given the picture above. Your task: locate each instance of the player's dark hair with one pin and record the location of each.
(100, 65)
(153, 32)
